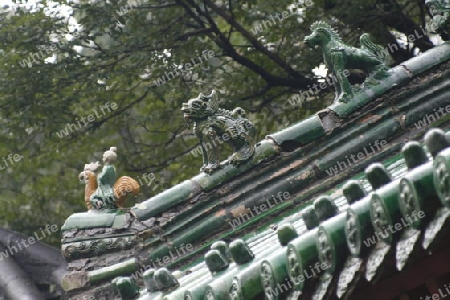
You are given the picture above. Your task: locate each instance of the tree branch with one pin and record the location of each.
(224, 43)
(252, 39)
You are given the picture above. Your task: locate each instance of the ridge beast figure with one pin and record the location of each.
(213, 123)
(102, 190)
(339, 56)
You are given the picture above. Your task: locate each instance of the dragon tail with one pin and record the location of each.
(125, 185)
(367, 43)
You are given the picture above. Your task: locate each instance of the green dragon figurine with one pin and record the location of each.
(212, 124)
(338, 57)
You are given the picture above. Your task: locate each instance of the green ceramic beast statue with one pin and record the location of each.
(212, 124)
(338, 57)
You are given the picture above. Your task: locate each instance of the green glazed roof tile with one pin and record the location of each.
(302, 132)
(264, 151)
(93, 219)
(161, 202)
(122, 268)
(428, 59)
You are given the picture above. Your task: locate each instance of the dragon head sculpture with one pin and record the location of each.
(213, 124)
(201, 107)
(320, 33)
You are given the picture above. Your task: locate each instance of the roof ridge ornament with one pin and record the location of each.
(338, 56)
(212, 124)
(102, 191)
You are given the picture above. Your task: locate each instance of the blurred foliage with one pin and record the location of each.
(117, 55)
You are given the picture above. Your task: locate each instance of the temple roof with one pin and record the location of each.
(291, 170)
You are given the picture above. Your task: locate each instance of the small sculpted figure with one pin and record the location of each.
(89, 178)
(339, 57)
(440, 12)
(212, 124)
(102, 191)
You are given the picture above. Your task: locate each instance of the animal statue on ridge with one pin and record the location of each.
(112, 194)
(212, 124)
(338, 57)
